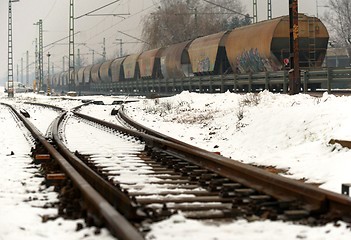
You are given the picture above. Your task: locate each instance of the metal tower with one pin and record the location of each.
(36, 66)
(269, 8)
(254, 11)
(27, 68)
(104, 49)
(21, 70)
(71, 47)
(40, 56)
(48, 86)
(10, 88)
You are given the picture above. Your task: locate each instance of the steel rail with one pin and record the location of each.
(45, 105)
(317, 199)
(56, 107)
(117, 224)
(343, 143)
(147, 130)
(114, 196)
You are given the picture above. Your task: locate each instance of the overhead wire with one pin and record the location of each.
(98, 34)
(154, 3)
(52, 8)
(97, 9)
(228, 9)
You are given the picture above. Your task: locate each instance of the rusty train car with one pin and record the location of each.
(259, 47)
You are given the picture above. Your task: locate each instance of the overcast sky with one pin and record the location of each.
(93, 29)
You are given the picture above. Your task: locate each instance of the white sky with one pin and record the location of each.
(92, 29)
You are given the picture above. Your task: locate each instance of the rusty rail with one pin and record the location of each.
(45, 105)
(114, 196)
(343, 143)
(315, 199)
(147, 130)
(282, 188)
(56, 107)
(117, 224)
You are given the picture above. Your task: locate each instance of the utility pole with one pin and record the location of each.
(92, 60)
(71, 47)
(269, 8)
(48, 92)
(104, 49)
(17, 75)
(10, 88)
(294, 73)
(79, 62)
(27, 68)
(120, 46)
(36, 66)
(254, 11)
(196, 22)
(40, 55)
(21, 70)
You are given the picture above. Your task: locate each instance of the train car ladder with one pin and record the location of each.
(312, 41)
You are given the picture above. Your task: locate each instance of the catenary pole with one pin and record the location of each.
(10, 87)
(71, 63)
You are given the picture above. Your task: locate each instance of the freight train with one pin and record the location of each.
(260, 47)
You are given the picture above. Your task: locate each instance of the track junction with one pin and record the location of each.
(222, 189)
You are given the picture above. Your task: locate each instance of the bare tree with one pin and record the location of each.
(180, 20)
(339, 19)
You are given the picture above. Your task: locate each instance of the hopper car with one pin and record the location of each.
(260, 47)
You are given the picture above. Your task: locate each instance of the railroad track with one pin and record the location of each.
(217, 173)
(75, 191)
(201, 184)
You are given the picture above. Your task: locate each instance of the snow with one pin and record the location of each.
(22, 197)
(288, 132)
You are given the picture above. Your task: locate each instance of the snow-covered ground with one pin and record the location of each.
(22, 197)
(289, 132)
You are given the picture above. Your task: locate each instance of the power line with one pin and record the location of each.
(133, 37)
(53, 43)
(110, 14)
(52, 8)
(97, 9)
(231, 10)
(114, 25)
(119, 22)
